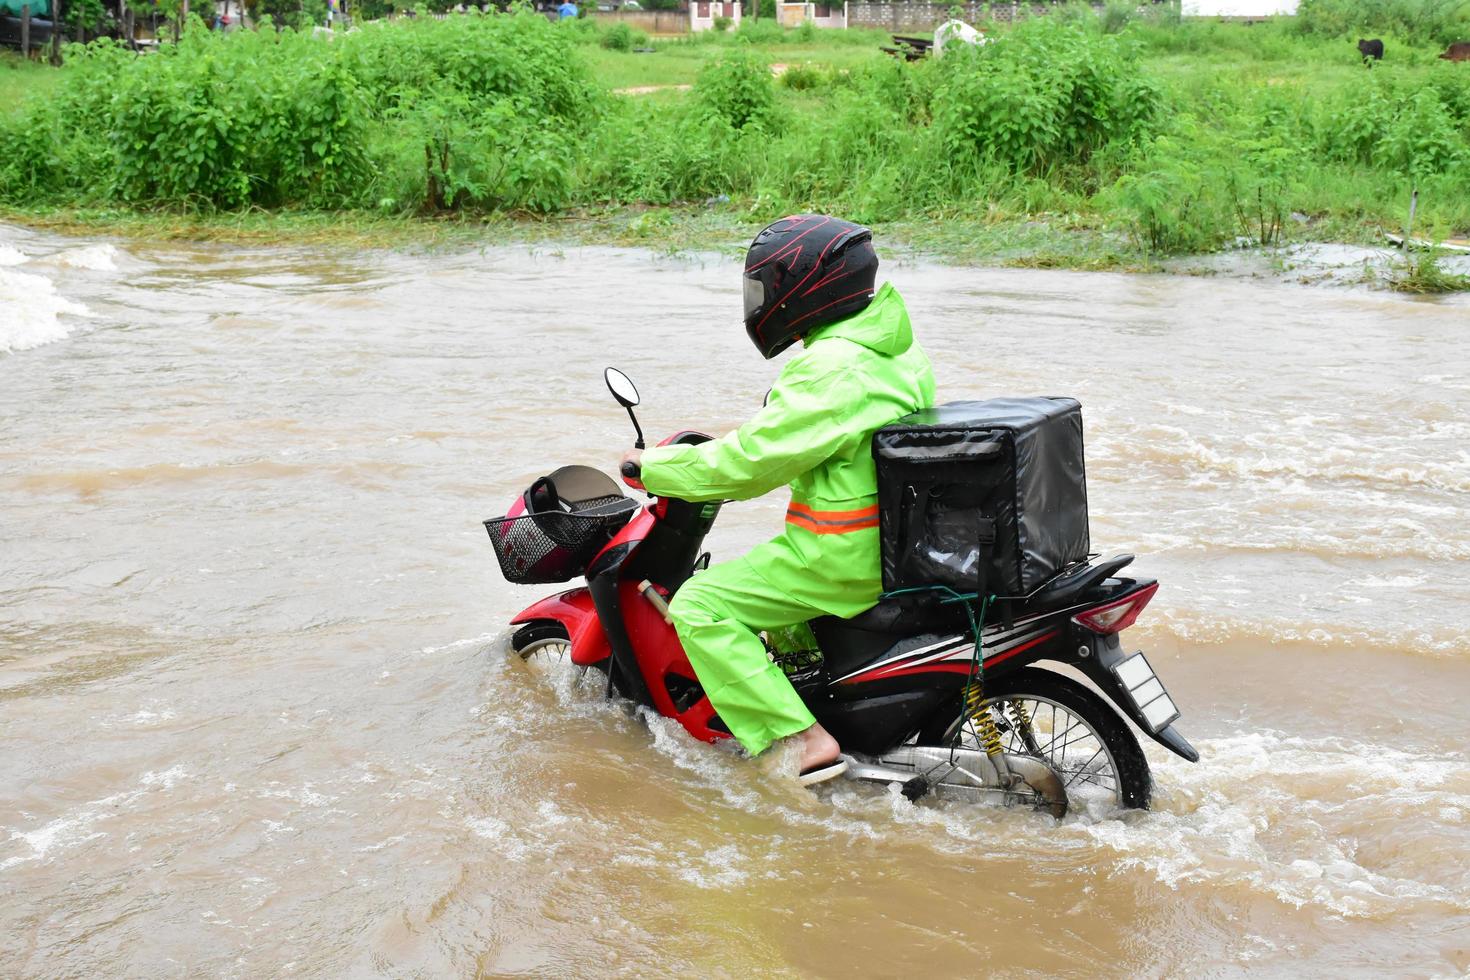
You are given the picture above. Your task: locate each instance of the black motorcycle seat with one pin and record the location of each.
(925, 613)
(905, 614)
(1069, 587)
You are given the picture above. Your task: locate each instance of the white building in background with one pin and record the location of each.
(1238, 8)
(702, 13)
(820, 14)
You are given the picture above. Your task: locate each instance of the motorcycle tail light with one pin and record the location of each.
(1114, 617)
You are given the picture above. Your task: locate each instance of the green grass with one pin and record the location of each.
(22, 80)
(678, 62)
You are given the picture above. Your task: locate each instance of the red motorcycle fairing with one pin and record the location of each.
(665, 667)
(661, 659)
(574, 610)
(632, 533)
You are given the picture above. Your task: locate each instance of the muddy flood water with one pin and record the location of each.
(257, 716)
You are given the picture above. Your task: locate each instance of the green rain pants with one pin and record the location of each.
(815, 435)
(718, 613)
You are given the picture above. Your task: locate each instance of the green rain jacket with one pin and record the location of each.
(853, 377)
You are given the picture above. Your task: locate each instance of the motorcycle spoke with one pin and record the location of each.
(1056, 736)
(1049, 745)
(1084, 768)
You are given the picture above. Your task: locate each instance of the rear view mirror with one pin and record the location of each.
(621, 386)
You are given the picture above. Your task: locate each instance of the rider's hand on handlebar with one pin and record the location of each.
(631, 468)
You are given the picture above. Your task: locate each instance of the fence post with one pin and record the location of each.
(25, 30)
(56, 32)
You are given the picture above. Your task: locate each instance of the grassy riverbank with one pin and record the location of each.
(1062, 145)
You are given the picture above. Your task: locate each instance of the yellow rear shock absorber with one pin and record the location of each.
(1023, 726)
(979, 713)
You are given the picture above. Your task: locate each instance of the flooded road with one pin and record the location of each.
(256, 715)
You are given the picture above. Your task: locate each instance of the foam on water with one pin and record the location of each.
(32, 312)
(1302, 820)
(1308, 822)
(77, 826)
(95, 258)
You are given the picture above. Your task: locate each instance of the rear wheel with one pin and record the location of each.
(1070, 728)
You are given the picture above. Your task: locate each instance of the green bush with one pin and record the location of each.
(620, 37)
(1436, 21)
(723, 23)
(803, 77)
(520, 53)
(738, 89)
(1401, 125)
(762, 31)
(1117, 15)
(1171, 199)
(1047, 94)
(483, 157)
(466, 112)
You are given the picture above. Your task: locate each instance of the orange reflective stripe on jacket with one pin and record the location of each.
(832, 521)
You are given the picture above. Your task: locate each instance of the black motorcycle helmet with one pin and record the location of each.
(802, 273)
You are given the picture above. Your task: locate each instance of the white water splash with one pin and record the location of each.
(32, 312)
(96, 258)
(1286, 816)
(78, 825)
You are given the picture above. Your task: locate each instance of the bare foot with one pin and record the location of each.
(818, 748)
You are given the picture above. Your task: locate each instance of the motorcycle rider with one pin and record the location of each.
(809, 278)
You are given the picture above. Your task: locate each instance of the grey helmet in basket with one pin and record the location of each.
(556, 527)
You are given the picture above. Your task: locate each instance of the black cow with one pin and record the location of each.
(1371, 49)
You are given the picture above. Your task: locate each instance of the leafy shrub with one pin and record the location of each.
(582, 30)
(1047, 94)
(1170, 200)
(1422, 139)
(300, 15)
(659, 153)
(1437, 21)
(1408, 128)
(486, 157)
(1165, 14)
(723, 23)
(467, 112)
(619, 37)
(803, 77)
(762, 31)
(181, 129)
(1117, 15)
(738, 89)
(492, 55)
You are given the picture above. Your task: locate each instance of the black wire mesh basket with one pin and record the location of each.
(538, 549)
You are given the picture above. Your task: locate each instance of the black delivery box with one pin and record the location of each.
(1002, 478)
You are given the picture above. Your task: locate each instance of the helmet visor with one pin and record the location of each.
(755, 296)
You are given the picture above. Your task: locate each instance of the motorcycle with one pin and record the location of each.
(903, 686)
